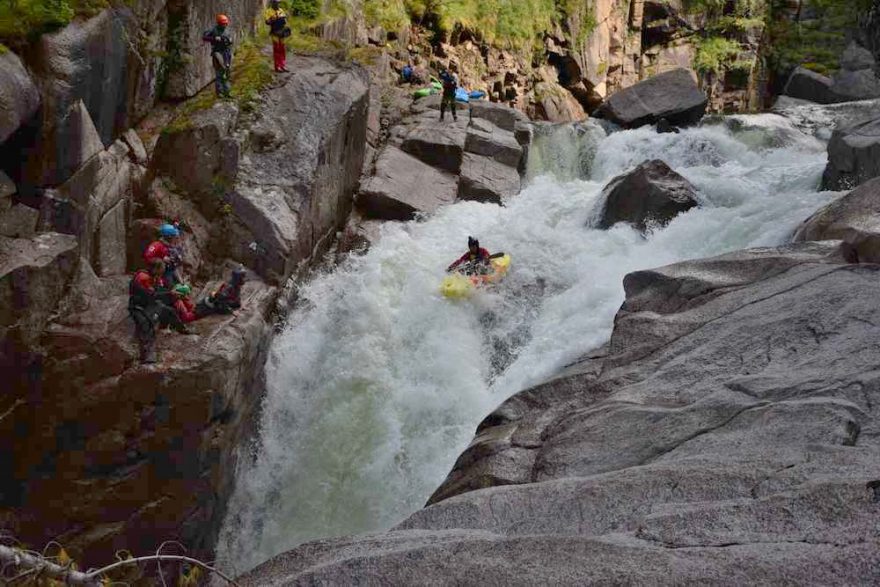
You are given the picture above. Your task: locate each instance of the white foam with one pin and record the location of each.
(377, 383)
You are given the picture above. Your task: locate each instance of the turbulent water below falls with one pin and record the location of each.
(377, 382)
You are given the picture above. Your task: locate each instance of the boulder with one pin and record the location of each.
(853, 218)
(857, 58)
(486, 139)
(486, 180)
(437, 143)
(19, 97)
(853, 155)
(855, 85)
(805, 84)
(292, 193)
(651, 193)
(739, 446)
(189, 151)
(556, 104)
(502, 116)
(672, 95)
(33, 277)
(19, 221)
(403, 186)
(856, 80)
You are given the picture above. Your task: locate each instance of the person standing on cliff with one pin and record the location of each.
(276, 18)
(450, 85)
(221, 54)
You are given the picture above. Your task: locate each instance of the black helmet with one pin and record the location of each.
(472, 242)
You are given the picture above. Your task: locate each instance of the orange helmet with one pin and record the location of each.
(222, 19)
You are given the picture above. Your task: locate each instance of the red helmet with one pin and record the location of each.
(222, 19)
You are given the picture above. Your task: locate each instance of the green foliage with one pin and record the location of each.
(308, 9)
(392, 15)
(251, 74)
(502, 22)
(24, 20)
(816, 42)
(716, 54)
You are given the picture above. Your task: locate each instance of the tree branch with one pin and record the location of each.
(33, 562)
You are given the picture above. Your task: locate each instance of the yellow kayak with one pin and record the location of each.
(458, 285)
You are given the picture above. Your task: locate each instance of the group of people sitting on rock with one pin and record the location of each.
(221, 46)
(158, 298)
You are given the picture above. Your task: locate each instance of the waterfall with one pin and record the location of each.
(377, 382)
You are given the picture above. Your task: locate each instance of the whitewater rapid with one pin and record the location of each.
(377, 383)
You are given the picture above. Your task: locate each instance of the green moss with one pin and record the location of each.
(602, 69)
(365, 55)
(251, 74)
(3, 49)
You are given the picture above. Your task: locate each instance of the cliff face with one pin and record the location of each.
(587, 50)
(100, 452)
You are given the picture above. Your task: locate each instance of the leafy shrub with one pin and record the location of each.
(307, 9)
(716, 54)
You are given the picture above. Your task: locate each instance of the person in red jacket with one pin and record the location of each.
(148, 306)
(164, 249)
(476, 260)
(183, 305)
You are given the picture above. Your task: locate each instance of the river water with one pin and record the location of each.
(377, 383)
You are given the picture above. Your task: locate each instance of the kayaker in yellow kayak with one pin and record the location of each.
(476, 261)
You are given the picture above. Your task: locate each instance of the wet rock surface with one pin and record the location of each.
(652, 193)
(853, 155)
(853, 218)
(729, 433)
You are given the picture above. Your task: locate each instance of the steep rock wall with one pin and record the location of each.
(103, 453)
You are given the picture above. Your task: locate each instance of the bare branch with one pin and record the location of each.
(34, 562)
(164, 557)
